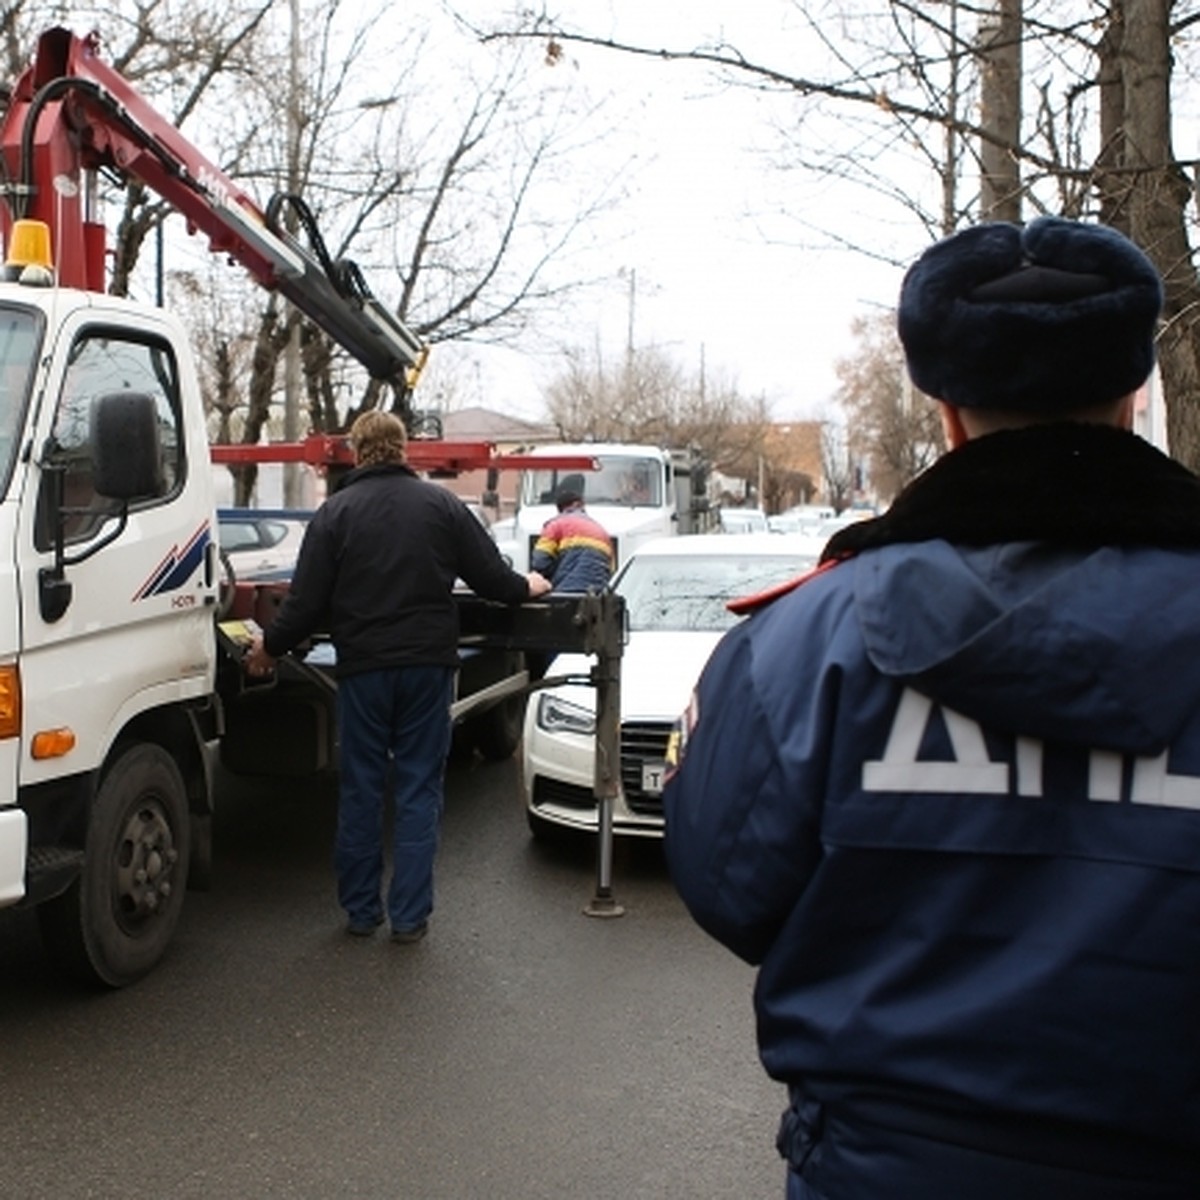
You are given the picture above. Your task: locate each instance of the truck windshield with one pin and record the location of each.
(20, 334)
(625, 480)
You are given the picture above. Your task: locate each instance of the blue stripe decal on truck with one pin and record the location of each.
(177, 566)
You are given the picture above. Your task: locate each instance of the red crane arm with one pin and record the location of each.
(435, 455)
(70, 114)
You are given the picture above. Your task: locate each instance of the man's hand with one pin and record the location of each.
(539, 585)
(257, 661)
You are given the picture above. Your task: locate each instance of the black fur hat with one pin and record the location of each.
(1046, 318)
(570, 491)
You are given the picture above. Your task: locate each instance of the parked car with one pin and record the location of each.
(802, 518)
(849, 516)
(675, 591)
(742, 520)
(260, 543)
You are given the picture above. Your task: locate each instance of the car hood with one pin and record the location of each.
(658, 672)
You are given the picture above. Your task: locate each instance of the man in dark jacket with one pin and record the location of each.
(945, 792)
(377, 569)
(573, 551)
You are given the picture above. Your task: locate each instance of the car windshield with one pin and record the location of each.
(20, 333)
(689, 592)
(623, 480)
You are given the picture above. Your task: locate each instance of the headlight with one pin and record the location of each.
(555, 715)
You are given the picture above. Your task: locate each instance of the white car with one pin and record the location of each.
(261, 543)
(803, 518)
(850, 516)
(742, 520)
(675, 590)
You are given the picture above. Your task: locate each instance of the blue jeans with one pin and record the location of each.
(393, 733)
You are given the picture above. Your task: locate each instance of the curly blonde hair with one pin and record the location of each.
(378, 437)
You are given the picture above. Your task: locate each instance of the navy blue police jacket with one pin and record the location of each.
(945, 794)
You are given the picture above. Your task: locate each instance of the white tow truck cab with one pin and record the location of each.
(108, 587)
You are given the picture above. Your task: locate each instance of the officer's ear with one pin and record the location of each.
(1125, 412)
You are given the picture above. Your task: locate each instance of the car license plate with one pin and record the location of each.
(652, 777)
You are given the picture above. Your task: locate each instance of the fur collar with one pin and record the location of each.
(1071, 483)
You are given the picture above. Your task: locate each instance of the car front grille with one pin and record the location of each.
(642, 742)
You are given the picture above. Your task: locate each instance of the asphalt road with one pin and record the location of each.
(523, 1050)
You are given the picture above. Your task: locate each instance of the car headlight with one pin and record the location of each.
(556, 715)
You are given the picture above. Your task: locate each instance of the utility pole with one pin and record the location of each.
(632, 306)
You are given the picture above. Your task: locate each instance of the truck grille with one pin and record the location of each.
(642, 742)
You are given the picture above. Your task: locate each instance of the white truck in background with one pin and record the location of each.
(637, 492)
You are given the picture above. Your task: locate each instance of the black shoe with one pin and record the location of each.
(405, 937)
(359, 929)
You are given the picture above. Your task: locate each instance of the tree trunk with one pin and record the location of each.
(1110, 185)
(268, 348)
(999, 48)
(1158, 196)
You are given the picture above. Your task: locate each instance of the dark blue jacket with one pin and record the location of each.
(377, 571)
(574, 552)
(947, 797)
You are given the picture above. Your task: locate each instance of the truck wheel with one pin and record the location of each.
(200, 864)
(116, 920)
(497, 732)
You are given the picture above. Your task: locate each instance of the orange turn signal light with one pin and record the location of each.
(52, 743)
(10, 701)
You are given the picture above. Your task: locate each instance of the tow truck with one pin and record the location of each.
(120, 680)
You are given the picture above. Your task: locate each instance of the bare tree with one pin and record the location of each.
(999, 52)
(838, 468)
(645, 396)
(892, 429)
(455, 200)
(1148, 193)
(1090, 134)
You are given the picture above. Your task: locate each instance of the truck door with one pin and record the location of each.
(136, 632)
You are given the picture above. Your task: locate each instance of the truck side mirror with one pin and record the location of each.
(126, 464)
(126, 448)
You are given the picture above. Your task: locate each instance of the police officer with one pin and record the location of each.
(945, 793)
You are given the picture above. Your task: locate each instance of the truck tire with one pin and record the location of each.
(497, 731)
(116, 920)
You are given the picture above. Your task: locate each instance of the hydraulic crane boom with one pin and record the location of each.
(70, 115)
